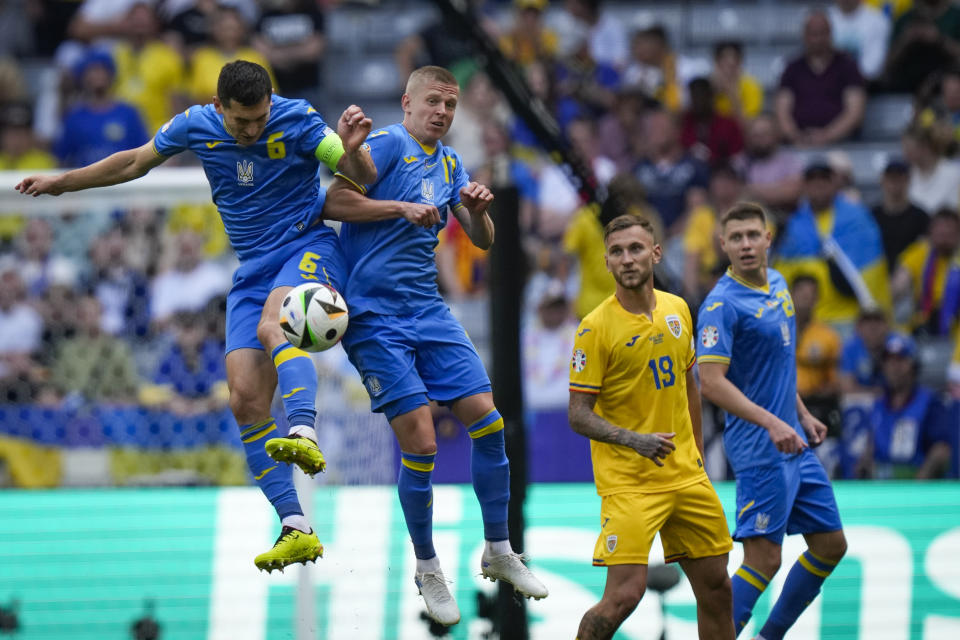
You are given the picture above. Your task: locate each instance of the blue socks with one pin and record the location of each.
(297, 379)
(416, 499)
(273, 478)
(800, 588)
(747, 584)
(490, 472)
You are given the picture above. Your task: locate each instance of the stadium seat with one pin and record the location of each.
(362, 78)
(887, 117)
(748, 23)
(634, 18)
(357, 30)
(868, 158)
(766, 64)
(935, 354)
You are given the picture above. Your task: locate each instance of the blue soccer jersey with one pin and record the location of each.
(392, 264)
(753, 330)
(903, 437)
(267, 193)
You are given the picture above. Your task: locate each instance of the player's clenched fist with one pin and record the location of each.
(353, 127)
(36, 185)
(475, 197)
(785, 439)
(423, 215)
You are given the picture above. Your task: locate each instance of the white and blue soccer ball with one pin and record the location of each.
(314, 316)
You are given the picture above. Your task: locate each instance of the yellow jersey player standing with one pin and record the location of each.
(633, 393)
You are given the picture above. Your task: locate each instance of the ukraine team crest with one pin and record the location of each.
(673, 323)
(579, 360)
(245, 173)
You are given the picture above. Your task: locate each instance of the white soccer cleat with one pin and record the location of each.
(440, 603)
(509, 567)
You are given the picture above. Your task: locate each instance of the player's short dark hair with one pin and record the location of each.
(432, 73)
(626, 221)
(805, 278)
(946, 213)
(245, 82)
(744, 211)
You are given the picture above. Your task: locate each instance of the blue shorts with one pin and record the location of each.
(316, 257)
(405, 361)
(792, 497)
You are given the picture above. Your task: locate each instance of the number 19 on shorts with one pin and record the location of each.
(662, 372)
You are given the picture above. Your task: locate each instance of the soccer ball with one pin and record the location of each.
(313, 316)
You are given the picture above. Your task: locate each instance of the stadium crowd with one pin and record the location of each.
(111, 321)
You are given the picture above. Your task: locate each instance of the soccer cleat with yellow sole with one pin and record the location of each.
(292, 547)
(297, 450)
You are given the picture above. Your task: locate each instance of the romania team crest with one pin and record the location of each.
(673, 323)
(709, 336)
(611, 542)
(579, 361)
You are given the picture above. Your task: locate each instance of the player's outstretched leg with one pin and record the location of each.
(804, 581)
(490, 472)
(297, 379)
(250, 376)
(414, 431)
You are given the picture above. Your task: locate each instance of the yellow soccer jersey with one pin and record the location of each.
(637, 368)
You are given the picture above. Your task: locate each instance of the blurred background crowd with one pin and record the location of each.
(842, 119)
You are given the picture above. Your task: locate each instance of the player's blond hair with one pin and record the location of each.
(427, 74)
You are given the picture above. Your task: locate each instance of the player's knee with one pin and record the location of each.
(248, 403)
(766, 562)
(269, 334)
(626, 598)
(835, 548)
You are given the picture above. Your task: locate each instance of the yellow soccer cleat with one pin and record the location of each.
(291, 547)
(297, 450)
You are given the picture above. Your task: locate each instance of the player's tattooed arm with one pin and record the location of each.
(586, 422)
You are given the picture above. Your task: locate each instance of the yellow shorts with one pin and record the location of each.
(690, 521)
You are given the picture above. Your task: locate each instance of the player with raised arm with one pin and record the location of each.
(748, 368)
(261, 154)
(633, 393)
(403, 339)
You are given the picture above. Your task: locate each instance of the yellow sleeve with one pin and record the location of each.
(589, 361)
(877, 280)
(751, 96)
(698, 236)
(912, 259)
(573, 236)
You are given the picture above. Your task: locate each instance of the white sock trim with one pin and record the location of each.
(303, 431)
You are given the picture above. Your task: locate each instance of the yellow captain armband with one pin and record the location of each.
(330, 150)
(359, 187)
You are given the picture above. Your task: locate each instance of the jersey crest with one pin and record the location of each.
(673, 323)
(426, 190)
(245, 173)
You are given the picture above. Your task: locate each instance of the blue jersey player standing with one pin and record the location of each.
(747, 355)
(403, 339)
(261, 154)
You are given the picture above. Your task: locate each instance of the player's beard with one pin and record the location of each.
(637, 280)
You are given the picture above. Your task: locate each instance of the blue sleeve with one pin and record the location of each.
(385, 146)
(460, 179)
(936, 426)
(524, 181)
(173, 137)
(313, 130)
(849, 357)
(716, 329)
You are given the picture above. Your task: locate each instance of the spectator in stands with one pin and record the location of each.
(818, 355)
(839, 160)
(150, 73)
(738, 94)
(910, 434)
(862, 353)
(557, 200)
(652, 67)
(39, 263)
(19, 148)
(942, 111)
(900, 221)
(863, 32)
(953, 372)
(123, 292)
(583, 239)
(773, 175)
(231, 41)
(838, 243)
(99, 124)
(606, 38)
(592, 84)
(704, 260)
(94, 365)
(528, 38)
(443, 43)
(190, 377)
(547, 345)
(925, 39)
(925, 272)
(933, 178)
(290, 35)
(49, 21)
(706, 134)
(674, 180)
(13, 87)
(821, 98)
(480, 105)
(618, 128)
(21, 328)
(102, 20)
(189, 283)
(188, 26)
(564, 108)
